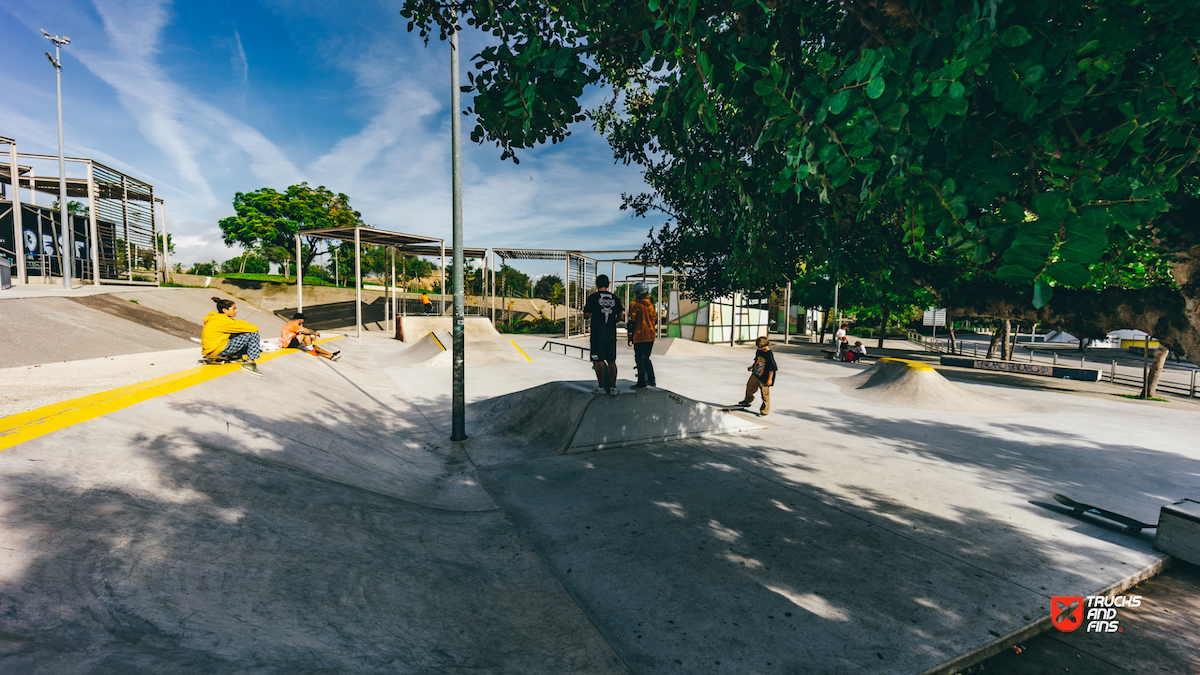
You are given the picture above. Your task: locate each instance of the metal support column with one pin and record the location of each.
(18, 230)
(300, 277)
(458, 430)
(357, 286)
(166, 244)
(125, 224)
(660, 313)
(787, 312)
(392, 292)
(442, 296)
(567, 305)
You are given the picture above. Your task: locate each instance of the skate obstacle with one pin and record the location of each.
(914, 384)
(566, 417)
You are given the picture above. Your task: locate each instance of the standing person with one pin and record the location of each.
(642, 328)
(762, 376)
(425, 303)
(605, 310)
(225, 338)
(295, 336)
(840, 341)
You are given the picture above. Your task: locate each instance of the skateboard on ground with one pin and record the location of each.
(739, 408)
(206, 361)
(1131, 526)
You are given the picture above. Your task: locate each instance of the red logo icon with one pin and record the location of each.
(1066, 612)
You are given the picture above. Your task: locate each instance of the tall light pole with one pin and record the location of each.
(68, 255)
(459, 421)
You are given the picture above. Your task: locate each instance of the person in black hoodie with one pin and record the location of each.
(762, 376)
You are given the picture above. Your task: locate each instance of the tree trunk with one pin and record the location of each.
(824, 322)
(953, 343)
(1156, 367)
(991, 353)
(883, 324)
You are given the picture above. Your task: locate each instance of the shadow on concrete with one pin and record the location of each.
(335, 315)
(241, 541)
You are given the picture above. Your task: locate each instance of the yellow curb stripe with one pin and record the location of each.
(521, 350)
(909, 364)
(439, 342)
(26, 426)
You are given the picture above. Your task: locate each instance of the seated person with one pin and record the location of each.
(224, 338)
(856, 352)
(295, 336)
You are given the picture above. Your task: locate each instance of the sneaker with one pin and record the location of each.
(745, 403)
(600, 391)
(639, 386)
(612, 392)
(252, 368)
(652, 384)
(763, 413)
(336, 356)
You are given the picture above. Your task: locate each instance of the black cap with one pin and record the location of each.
(298, 315)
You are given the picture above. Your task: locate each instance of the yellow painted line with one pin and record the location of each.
(521, 350)
(26, 426)
(439, 342)
(911, 365)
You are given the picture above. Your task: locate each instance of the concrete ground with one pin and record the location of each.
(319, 520)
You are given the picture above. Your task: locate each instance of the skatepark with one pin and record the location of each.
(892, 518)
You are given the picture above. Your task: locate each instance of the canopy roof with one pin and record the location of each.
(413, 244)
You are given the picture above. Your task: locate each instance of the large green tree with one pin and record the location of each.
(1015, 149)
(268, 220)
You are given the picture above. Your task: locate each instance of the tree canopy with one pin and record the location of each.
(269, 220)
(976, 148)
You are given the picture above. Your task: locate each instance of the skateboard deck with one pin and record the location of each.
(213, 362)
(735, 408)
(1131, 526)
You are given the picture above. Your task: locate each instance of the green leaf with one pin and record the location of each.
(1015, 274)
(1050, 205)
(875, 88)
(868, 165)
(1042, 292)
(837, 102)
(957, 89)
(862, 149)
(1015, 36)
(1070, 273)
(1012, 212)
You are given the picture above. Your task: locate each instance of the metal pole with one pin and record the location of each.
(459, 422)
(1192, 393)
(442, 295)
(18, 230)
(125, 224)
(300, 277)
(787, 312)
(392, 292)
(68, 255)
(660, 312)
(492, 286)
(1112, 374)
(1145, 365)
(567, 305)
(403, 274)
(1055, 359)
(837, 323)
(357, 286)
(166, 242)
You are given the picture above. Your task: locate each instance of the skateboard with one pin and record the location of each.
(1131, 526)
(214, 362)
(740, 408)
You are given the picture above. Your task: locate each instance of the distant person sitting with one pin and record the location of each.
(224, 338)
(856, 352)
(295, 336)
(426, 304)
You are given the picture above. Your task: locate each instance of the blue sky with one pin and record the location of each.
(204, 99)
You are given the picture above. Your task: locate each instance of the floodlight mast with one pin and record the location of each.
(67, 257)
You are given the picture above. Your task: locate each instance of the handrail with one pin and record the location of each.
(550, 344)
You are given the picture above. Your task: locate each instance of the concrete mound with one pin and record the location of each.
(436, 349)
(566, 418)
(413, 328)
(917, 385)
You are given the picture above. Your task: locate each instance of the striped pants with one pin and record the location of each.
(243, 343)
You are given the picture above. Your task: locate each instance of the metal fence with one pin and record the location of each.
(1180, 381)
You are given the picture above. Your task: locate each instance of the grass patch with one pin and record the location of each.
(1137, 397)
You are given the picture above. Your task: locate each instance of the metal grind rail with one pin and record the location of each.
(550, 345)
(1174, 380)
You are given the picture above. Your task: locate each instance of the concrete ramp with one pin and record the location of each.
(431, 350)
(917, 385)
(413, 328)
(566, 418)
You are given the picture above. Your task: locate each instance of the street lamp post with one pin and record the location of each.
(458, 424)
(68, 255)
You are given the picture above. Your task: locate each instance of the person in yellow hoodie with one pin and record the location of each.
(225, 338)
(642, 328)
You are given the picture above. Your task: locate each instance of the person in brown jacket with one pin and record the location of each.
(642, 328)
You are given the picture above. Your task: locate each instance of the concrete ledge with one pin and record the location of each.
(1084, 374)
